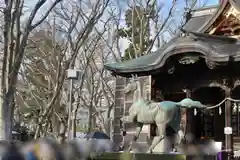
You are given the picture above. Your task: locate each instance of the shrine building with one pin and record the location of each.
(203, 63)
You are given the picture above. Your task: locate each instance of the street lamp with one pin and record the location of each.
(72, 74)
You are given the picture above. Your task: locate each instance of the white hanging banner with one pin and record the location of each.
(220, 110)
(195, 111)
(228, 130)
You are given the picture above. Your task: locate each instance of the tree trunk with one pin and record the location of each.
(109, 121)
(55, 125)
(17, 118)
(90, 119)
(12, 108)
(37, 132)
(6, 115)
(108, 126)
(5, 122)
(62, 132)
(74, 124)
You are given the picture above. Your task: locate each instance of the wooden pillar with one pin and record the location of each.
(189, 115)
(228, 123)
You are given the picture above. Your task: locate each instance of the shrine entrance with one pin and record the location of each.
(210, 123)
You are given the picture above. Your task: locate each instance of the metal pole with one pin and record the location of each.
(73, 124)
(70, 109)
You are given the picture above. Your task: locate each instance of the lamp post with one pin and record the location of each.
(72, 74)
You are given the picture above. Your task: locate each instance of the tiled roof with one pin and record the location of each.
(214, 48)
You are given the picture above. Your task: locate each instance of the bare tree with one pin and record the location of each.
(39, 77)
(87, 16)
(15, 37)
(97, 93)
(70, 38)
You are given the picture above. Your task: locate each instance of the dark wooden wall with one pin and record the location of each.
(204, 85)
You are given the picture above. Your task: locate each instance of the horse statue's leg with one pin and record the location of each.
(181, 137)
(135, 137)
(161, 130)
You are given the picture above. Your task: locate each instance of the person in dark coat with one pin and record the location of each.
(12, 153)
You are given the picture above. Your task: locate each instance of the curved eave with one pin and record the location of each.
(213, 18)
(159, 63)
(135, 66)
(219, 50)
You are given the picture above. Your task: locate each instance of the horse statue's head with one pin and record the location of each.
(132, 86)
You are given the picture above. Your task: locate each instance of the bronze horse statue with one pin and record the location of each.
(166, 115)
